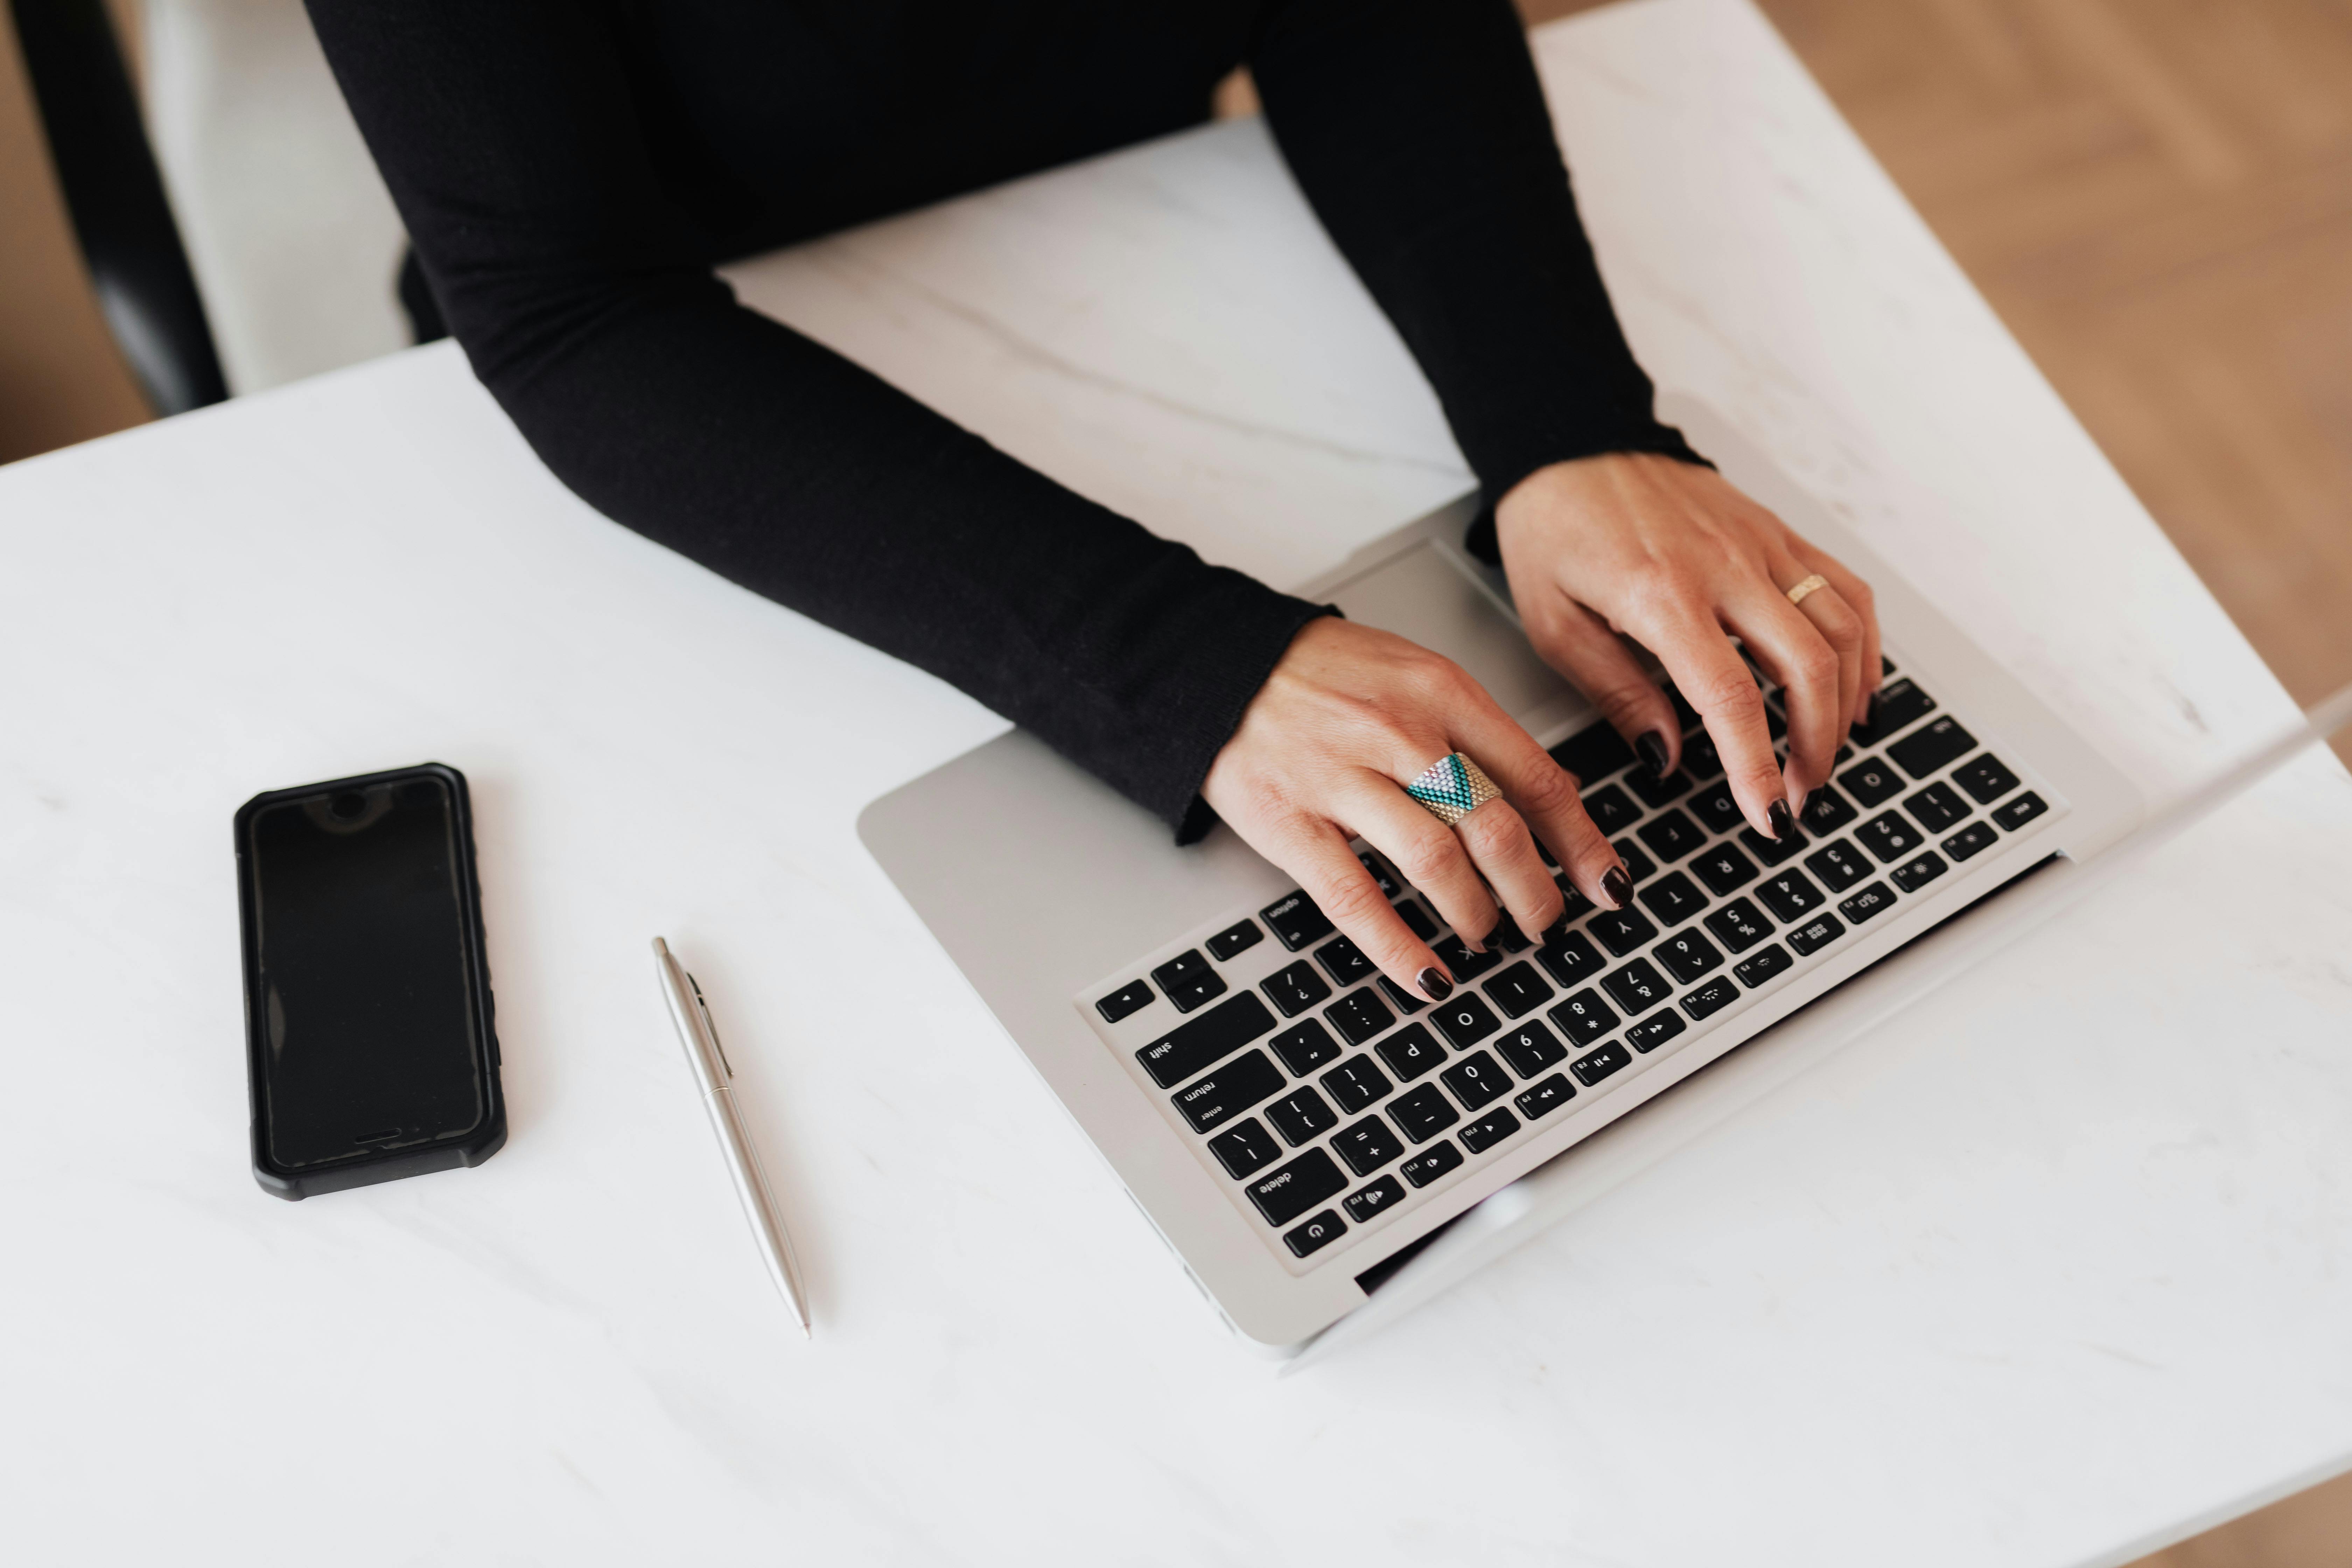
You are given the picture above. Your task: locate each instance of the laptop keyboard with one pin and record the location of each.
(1324, 1098)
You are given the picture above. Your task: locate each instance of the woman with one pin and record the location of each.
(571, 170)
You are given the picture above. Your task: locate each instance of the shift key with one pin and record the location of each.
(1285, 1193)
(1209, 1038)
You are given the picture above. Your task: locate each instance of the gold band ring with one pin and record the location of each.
(1804, 590)
(1452, 787)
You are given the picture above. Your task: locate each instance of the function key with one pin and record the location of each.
(1593, 753)
(1839, 865)
(1344, 961)
(1789, 895)
(1246, 1150)
(1825, 811)
(1936, 807)
(1687, 955)
(1539, 1101)
(1295, 989)
(1621, 931)
(1739, 925)
(1299, 1115)
(1889, 838)
(1188, 980)
(1460, 961)
(1670, 836)
(1970, 841)
(1305, 1047)
(1591, 1069)
(1488, 1131)
(1358, 1015)
(1711, 998)
(1531, 1049)
(1296, 920)
(1378, 1198)
(1986, 778)
(1402, 1000)
(1315, 1235)
(1715, 806)
(1655, 793)
(1431, 1164)
(1357, 1083)
(1230, 1091)
(1211, 1037)
(1422, 1112)
(1518, 990)
(1815, 934)
(1673, 899)
(1930, 746)
(2018, 812)
(1870, 901)
(1127, 999)
(1898, 704)
(1871, 782)
(1234, 940)
(1411, 1052)
(1724, 869)
(1571, 960)
(1476, 1079)
(1767, 962)
(1466, 1019)
(1914, 875)
(1654, 1030)
(1609, 810)
(1886, 665)
(1638, 865)
(1772, 851)
(1416, 920)
(1700, 759)
(1387, 880)
(1366, 1145)
(1583, 1017)
(1635, 986)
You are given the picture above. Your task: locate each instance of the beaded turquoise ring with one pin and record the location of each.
(1452, 787)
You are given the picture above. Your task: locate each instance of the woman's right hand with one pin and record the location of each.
(1349, 716)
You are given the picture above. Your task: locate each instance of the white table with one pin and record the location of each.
(2050, 1270)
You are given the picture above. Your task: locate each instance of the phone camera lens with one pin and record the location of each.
(348, 806)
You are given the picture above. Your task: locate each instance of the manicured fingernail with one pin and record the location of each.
(1652, 747)
(1783, 821)
(1617, 887)
(1435, 985)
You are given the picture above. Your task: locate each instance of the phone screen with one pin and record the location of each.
(371, 1033)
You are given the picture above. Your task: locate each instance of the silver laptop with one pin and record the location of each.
(1296, 1127)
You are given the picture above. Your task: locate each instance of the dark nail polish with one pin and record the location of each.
(1617, 887)
(1554, 931)
(1435, 985)
(1783, 821)
(1652, 747)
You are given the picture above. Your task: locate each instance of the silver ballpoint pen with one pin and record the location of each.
(709, 1058)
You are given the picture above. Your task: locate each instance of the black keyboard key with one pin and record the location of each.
(1234, 940)
(1539, 1101)
(1519, 991)
(1508, 936)
(1739, 925)
(1773, 851)
(1871, 782)
(1635, 986)
(1700, 759)
(1211, 1037)
(1815, 934)
(1825, 811)
(1344, 961)
(1571, 960)
(1245, 1150)
(1874, 899)
(1300, 1115)
(1611, 810)
(1898, 705)
(1591, 1069)
(1583, 1017)
(1638, 865)
(1936, 807)
(1383, 876)
(1405, 1002)
(1460, 961)
(1765, 962)
(1366, 1145)
(1724, 869)
(1127, 999)
(1466, 1019)
(1416, 920)
(1715, 806)
(1673, 898)
(1654, 1030)
(1296, 989)
(1655, 793)
(1789, 895)
(1427, 1166)
(1930, 747)
(1488, 1131)
(1621, 931)
(1358, 1015)
(1357, 1083)
(1986, 778)
(1691, 720)
(1315, 1235)
(1971, 841)
(1476, 1079)
(1593, 753)
(1711, 997)
(1839, 864)
(1670, 836)
(1889, 837)
(1231, 1089)
(1687, 955)
(1531, 1049)
(1411, 1052)
(1188, 982)
(1916, 874)
(1364, 1203)
(1574, 905)
(1295, 921)
(1422, 1112)
(1306, 1046)
(2018, 812)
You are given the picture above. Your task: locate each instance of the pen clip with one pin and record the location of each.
(711, 1023)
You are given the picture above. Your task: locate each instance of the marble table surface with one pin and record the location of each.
(2047, 1272)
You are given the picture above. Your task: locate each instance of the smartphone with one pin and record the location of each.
(370, 1053)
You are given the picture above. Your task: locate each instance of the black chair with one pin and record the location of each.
(114, 195)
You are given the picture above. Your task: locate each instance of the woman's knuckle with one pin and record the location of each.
(1548, 791)
(1352, 901)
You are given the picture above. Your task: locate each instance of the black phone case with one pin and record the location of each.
(365, 1170)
